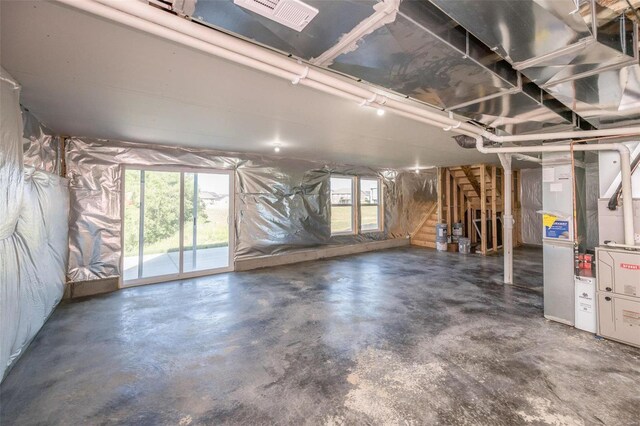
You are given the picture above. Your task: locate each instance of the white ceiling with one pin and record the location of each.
(85, 76)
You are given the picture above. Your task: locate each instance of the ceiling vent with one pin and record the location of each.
(291, 13)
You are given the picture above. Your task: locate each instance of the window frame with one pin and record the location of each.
(354, 205)
(379, 204)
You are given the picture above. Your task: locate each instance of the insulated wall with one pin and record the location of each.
(40, 148)
(531, 203)
(281, 205)
(34, 207)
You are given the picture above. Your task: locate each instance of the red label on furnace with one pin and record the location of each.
(629, 266)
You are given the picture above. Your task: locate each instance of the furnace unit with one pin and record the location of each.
(618, 271)
(558, 186)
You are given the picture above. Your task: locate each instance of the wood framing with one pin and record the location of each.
(494, 211)
(472, 179)
(474, 196)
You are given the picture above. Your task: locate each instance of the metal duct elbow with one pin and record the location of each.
(469, 142)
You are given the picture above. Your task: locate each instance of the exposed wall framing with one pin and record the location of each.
(474, 196)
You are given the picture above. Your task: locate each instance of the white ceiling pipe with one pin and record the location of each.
(507, 222)
(625, 168)
(564, 135)
(384, 12)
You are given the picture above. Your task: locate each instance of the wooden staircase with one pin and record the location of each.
(472, 195)
(475, 194)
(425, 233)
(469, 182)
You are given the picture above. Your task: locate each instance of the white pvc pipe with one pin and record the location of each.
(564, 135)
(507, 220)
(625, 170)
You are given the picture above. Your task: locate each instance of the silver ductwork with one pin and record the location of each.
(467, 142)
(417, 51)
(586, 59)
(425, 55)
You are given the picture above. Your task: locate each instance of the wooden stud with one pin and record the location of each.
(63, 158)
(448, 199)
(461, 205)
(470, 230)
(455, 200)
(494, 207)
(468, 172)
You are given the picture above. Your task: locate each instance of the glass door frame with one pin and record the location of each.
(180, 275)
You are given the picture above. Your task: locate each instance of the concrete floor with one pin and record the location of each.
(392, 337)
(169, 263)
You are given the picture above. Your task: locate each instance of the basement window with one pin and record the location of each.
(370, 205)
(342, 212)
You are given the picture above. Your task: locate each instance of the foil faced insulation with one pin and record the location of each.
(281, 205)
(34, 208)
(530, 205)
(41, 150)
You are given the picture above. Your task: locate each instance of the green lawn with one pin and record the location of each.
(213, 232)
(341, 218)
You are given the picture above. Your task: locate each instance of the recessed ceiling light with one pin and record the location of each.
(380, 112)
(276, 149)
(417, 170)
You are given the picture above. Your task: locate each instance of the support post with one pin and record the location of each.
(507, 219)
(483, 210)
(447, 175)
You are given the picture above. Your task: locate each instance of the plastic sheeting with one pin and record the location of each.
(41, 149)
(531, 203)
(281, 205)
(33, 243)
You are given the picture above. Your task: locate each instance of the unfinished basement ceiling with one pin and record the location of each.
(87, 76)
(465, 56)
(586, 56)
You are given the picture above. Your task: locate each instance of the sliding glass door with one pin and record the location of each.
(176, 224)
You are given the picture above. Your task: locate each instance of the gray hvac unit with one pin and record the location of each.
(558, 239)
